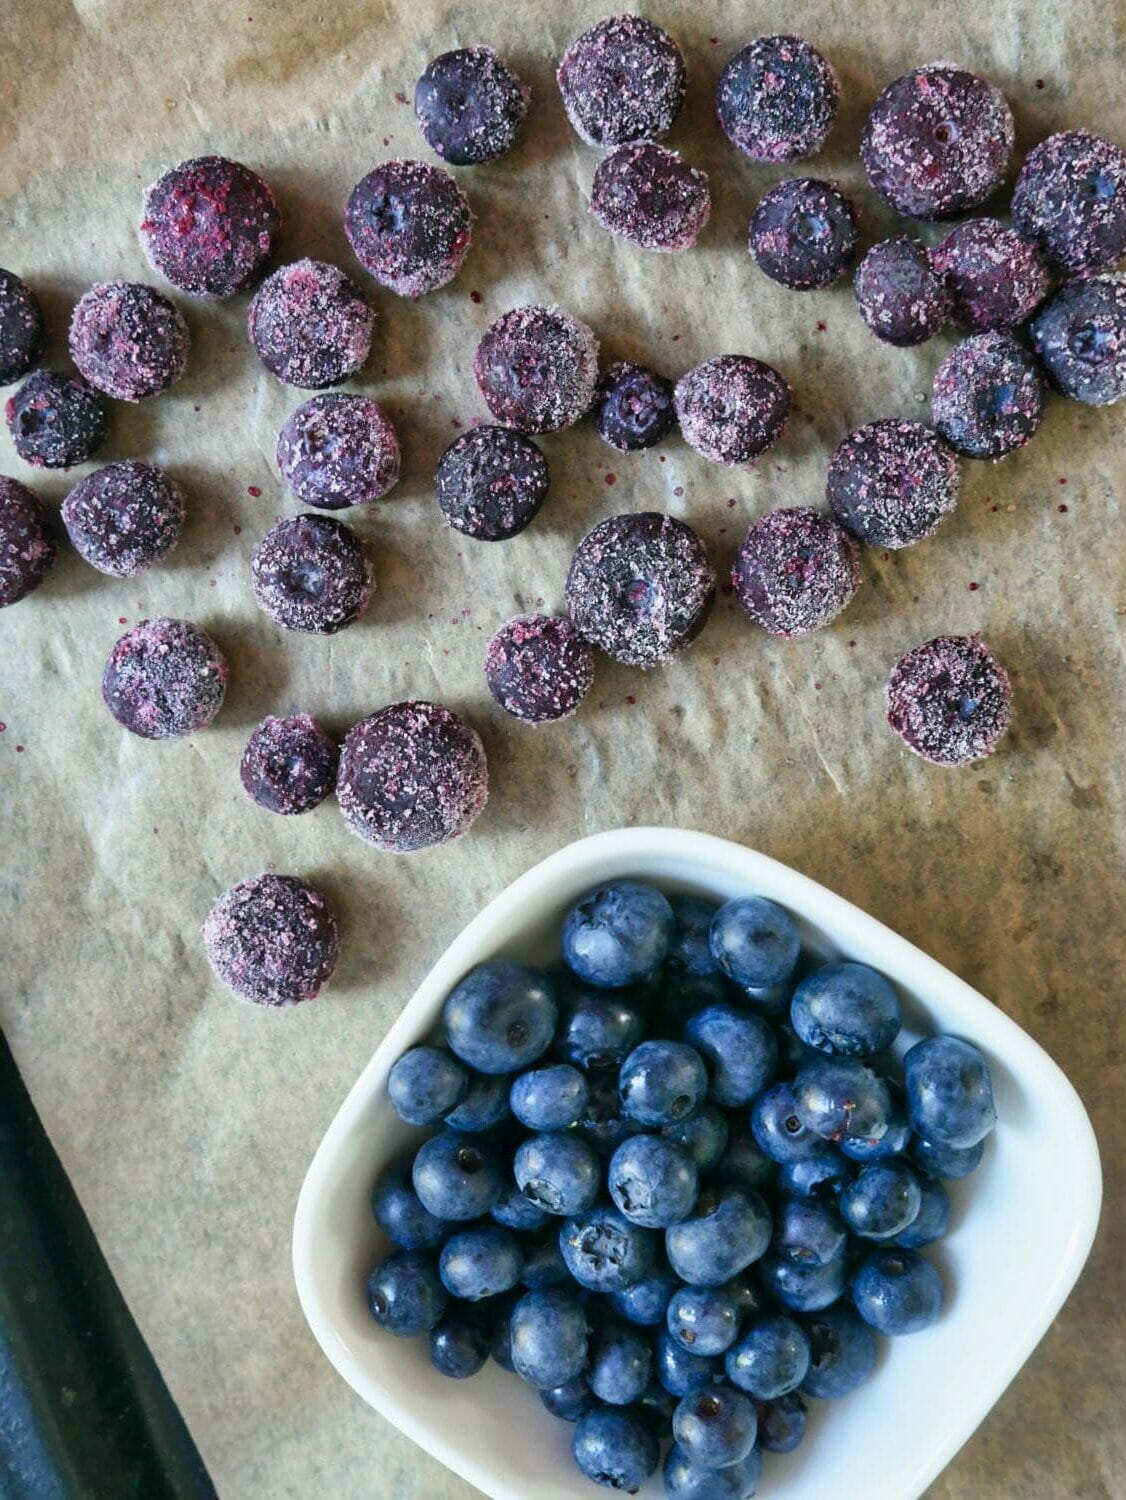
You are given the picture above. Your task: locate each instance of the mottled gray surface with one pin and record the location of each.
(186, 1119)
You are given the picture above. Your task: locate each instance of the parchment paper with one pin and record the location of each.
(186, 1119)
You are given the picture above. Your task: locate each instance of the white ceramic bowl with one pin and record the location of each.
(1022, 1224)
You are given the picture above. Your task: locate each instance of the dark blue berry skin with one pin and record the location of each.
(604, 1122)
(681, 996)
(657, 1405)
(882, 1200)
(480, 1262)
(646, 1301)
(662, 1082)
(633, 407)
(497, 1327)
(770, 1359)
(549, 1338)
(396, 1209)
(793, 1054)
(425, 1084)
(405, 1295)
(807, 1232)
(772, 1000)
(1080, 338)
(501, 1016)
(703, 1136)
(846, 1010)
(685, 1480)
(680, 1371)
(946, 1161)
(653, 1181)
(598, 1030)
(930, 1222)
(893, 1142)
(804, 1288)
(617, 934)
(549, 1098)
(514, 1211)
(820, 1176)
(615, 1448)
(703, 1320)
(458, 1348)
(778, 1128)
(469, 105)
(727, 1233)
(744, 1164)
(457, 1176)
(544, 1265)
(840, 1099)
(842, 1352)
(747, 1295)
(740, 1050)
(485, 1105)
(604, 1252)
(781, 1424)
(571, 1401)
(754, 942)
(715, 1428)
(897, 1291)
(557, 1172)
(949, 1092)
(803, 234)
(689, 949)
(620, 1364)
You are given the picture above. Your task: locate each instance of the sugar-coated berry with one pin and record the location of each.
(623, 80)
(457, 1177)
(847, 1010)
(27, 547)
(899, 294)
(615, 1448)
(891, 483)
(490, 483)
(754, 942)
(125, 517)
(398, 1211)
(842, 1352)
(1070, 197)
(537, 368)
(803, 234)
(633, 407)
(128, 339)
(729, 1230)
(620, 1363)
(604, 1251)
(425, 1084)
(662, 1082)
(312, 573)
(1080, 337)
(777, 98)
(56, 421)
(770, 1359)
(617, 934)
(209, 226)
(950, 700)
(23, 334)
(558, 1172)
(653, 1181)
(995, 276)
(549, 1338)
(715, 1428)
(501, 1016)
(732, 409)
(538, 668)
(650, 196)
(988, 397)
(458, 1348)
(470, 105)
(702, 1319)
(897, 1292)
(686, 1480)
(272, 940)
(164, 679)
(480, 1262)
(795, 571)
(338, 450)
(409, 226)
(949, 1092)
(405, 1295)
(310, 325)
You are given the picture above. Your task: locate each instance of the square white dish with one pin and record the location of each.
(1021, 1231)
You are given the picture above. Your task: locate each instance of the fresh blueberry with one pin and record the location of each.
(933, 1216)
(703, 1135)
(615, 1448)
(617, 934)
(598, 1030)
(842, 1352)
(550, 1098)
(946, 1161)
(480, 1262)
(739, 1048)
(729, 1230)
(485, 1105)
(646, 1301)
(804, 1288)
(653, 1181)
(807, 1232)
(847, 1010)
(685, 1480)
(658, 1405)
(703, 1319)
(604, 1122)
(570, 1401)
(662, 1082)
(770, 1359)
(821, 1175)
(770, 1000)
(881, 1200)
(558, 1172)
(396, 1208)
(604, 1251)
(549, 1338)
(746, 1293)
(793, 1054)
(679, 1370)
(715, 1428)
(620, 1364)
(893, 1142)
(949, 1092)
(544, 1265)
(744, 1163)
(778, 1128)
(690, 948)
(840, 1099)
(458, 1348)
(515, 1211)
(754, 942)
(897, 1291)
(680, 996)
(781, 1424)
(425, 1084)
(405, 1295)
(501, 1016)
(496, 1324)
(457, 1176)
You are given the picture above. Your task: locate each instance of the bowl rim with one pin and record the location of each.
(811, 902)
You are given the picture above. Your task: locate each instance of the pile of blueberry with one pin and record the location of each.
(677, 1187)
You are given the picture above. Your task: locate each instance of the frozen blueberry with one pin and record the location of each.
(795, 571)
(623, 80)
(703, 1135)
(777, 98)
(313, 574)
(891, 483)
(949, 1092)
(398, 1211)
(124, 518)
(23, 334)
(653, 1181)
(651, 196)
(732, 408)
(807, 1232)
(781, 1423)
(485, 1105)
(950, 700)
(621, 1364)
(425, 1084)
(882, 1200)
(839, 1099)
(537, 368)
(633, 407)
(754, 942)
(571, 1400)
(899, 294)
(686, 1480)
(558, 1172)
(289, 765)
(209, 226)
(1070, 197)
(128, 339)
(662, 1082)
(679, 1371)
(56, 421)
(895, 1139)
(409, 226)
(729, 1230)
(689, 949)
(490, 483)
(27, 547)
(778, 1128)
(897, 1292)
(470, 105)
(946, 1161)
(549, 1098)
(771, 1358)
(988, 396)
(1080, 337)
(617, 934)
(549, 1338)
(501, 1016)
(640, 587)
(703, 1319)
(847, 1010)
(480, 1262)
(929, 1224)
(598, 1030)
(272, 940)
(338, 450)
(803, 1288)
(616, 1448)
(538, 668)
(739, 1049)
(310, 325)
(457, 1177)
(646, 1301)
(938, 142)
(803, 234)
(404, 1294)
(842, 1352)
(716, 1428)
(995, 275)
(164, 678)
(458, 1347)
(604, 1252)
